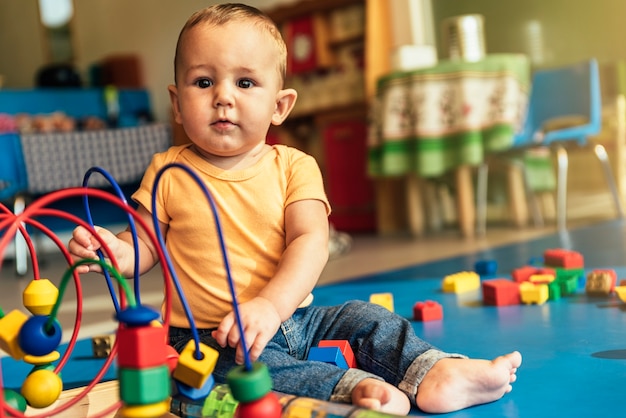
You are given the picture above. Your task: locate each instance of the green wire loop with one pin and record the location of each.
(121, 280)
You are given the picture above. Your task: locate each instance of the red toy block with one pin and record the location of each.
(427, 311)
(523, 274)
(501, 292)
(345, 348)
(558, 257)
(601, 282)
(141, 347)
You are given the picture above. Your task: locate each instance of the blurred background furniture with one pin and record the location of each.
(35, 163)
(431, 121)
(565, 109)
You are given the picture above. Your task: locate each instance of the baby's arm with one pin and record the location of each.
(304, 258)
(83, 245)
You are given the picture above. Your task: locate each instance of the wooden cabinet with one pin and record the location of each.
(329, 44)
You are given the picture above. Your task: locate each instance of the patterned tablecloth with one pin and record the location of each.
(432, 120)
(59, 160)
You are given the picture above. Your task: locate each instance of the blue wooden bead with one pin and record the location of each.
(37, 338)
(137, 316)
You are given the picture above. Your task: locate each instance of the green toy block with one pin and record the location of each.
(144, 386)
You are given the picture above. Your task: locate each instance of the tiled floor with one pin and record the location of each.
(369, 254)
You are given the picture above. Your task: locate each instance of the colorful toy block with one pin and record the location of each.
(600, 282)
(192, 371)
(144, 386)
(486, 267)
(10, 326)
(330, 355)
(141, 347)
(427, 311)
(558, 257)
(461, 282)
(541, 278)
(383, 299)
(101, 345)
(523, 274)
(533, 293)
(501, 292)
(344, 346)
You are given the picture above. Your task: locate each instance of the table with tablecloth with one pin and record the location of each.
(428, 122)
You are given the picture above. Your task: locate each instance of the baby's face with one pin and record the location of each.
(227, 86)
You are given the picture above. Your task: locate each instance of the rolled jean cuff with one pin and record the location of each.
(343, 390)
(418, 369)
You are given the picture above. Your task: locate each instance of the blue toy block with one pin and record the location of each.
(330, 355)
(486, 267)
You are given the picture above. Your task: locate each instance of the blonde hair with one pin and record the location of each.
(221, 14)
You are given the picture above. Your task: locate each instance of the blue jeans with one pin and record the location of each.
(385, 348)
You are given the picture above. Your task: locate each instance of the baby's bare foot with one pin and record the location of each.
(454, 384)
(380, 396)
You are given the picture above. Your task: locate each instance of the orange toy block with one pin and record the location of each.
(10, 326)
(534, 293)
(523, 274)
(501, 292)
(427, 311)
(601, 282)
(344, 347)
(462, 282)
(382, 299)
(558, 257)
(194, 372)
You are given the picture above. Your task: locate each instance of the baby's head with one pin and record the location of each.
(221, 14)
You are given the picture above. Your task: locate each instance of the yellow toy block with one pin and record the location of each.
(541, 278)
(194, 372)
(10, 326)
(533, 293)
(40, 296)
(383, 299)
(461, 282)
(101, 345)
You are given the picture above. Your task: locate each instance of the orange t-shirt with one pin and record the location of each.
(251, 207)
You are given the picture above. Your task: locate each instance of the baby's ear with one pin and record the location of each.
(285, 101)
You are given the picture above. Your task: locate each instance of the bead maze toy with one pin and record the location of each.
(153, 379)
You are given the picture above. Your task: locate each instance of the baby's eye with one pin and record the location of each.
(245, 83)
(204, 83)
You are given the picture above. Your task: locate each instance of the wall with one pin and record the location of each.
(570, 30)
(146, 27)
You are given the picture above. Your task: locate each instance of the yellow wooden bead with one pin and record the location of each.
(40, 296)
(39, 360)
(42, 388)
(145, 411)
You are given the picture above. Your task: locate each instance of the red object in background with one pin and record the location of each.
(350, 191)
(427, 311)
(558, 257)
(301, 49)
(501, 292)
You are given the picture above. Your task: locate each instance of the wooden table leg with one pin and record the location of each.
(518, 206)
(465, 200)
(414, 205)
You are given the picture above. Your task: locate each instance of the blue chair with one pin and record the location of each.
(565, 108)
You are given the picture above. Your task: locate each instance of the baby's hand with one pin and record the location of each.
(83, 245)
(260, 322)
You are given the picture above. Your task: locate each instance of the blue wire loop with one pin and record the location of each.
(194, 330)
(132, 226)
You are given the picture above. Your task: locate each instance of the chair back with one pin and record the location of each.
(568, 96)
